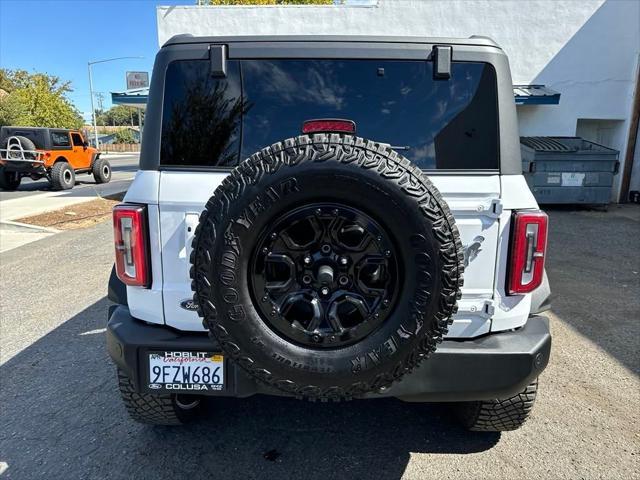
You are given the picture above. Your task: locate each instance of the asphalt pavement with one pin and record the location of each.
(123, 169)
(61, 415)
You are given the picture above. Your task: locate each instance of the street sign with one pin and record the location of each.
(137, 80)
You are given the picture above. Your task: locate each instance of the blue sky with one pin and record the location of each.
(60, 37)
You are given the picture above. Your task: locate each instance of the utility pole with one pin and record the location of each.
(93, 110)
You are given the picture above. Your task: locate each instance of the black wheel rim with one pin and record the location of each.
(324, 275)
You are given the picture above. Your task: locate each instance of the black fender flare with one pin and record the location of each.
(117, 290)
(95, 157)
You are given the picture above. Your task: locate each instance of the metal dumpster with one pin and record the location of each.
(568, 169)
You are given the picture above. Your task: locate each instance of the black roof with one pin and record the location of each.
(21, 127)
(477, 40)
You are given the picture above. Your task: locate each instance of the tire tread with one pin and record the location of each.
(501, 414)
(57, 175)
(146, 408)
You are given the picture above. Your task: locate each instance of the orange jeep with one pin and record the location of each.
(55, 153)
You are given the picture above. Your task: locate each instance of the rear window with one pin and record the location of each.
(60, 139)
(437, 124)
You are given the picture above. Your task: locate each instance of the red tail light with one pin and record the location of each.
(329, 125)
(528, 249)
(131, 241)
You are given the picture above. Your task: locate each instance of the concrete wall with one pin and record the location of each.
(588, 49)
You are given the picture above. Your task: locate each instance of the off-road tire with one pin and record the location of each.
(345, 166)
(26, 144)
(101, 170)
(9, 180)
(62, 176)
(498, 415)
(153, 409)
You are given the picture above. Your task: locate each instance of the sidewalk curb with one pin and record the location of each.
(57, 200)
(32, 227)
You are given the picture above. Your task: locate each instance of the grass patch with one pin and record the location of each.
(80, 215)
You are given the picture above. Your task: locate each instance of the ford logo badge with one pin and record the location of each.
(189, 304)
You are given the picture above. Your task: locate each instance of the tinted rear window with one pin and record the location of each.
(202, 116)
(437, 124)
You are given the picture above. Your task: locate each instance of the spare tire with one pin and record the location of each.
(19, 147)
(327, 266)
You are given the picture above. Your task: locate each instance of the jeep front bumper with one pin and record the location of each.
(493, 366)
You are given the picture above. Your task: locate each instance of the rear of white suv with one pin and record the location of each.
(438, 112)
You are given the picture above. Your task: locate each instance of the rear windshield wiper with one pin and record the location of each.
(396, 147)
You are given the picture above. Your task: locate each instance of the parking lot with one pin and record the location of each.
(62, 417)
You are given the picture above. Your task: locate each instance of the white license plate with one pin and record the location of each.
(193, 371)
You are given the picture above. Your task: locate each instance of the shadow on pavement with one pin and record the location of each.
(41, 185)
(594, 269)
(62, 418)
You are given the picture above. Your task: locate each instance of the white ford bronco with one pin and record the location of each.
(301, 221)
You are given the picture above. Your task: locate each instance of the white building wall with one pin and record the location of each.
(588, 50)
(635, 174)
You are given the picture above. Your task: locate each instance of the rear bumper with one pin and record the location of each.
(494, 366)
(24, 167)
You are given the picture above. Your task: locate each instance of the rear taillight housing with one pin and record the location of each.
(132, 244)
(528, 250)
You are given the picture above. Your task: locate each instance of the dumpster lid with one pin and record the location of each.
(546, 144)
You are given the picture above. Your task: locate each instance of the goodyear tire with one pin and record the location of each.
(370, 283)
(62, 176)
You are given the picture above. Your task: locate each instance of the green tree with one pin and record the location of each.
(125, 135)
(36, 100)
(10, 109)
(118, 115)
